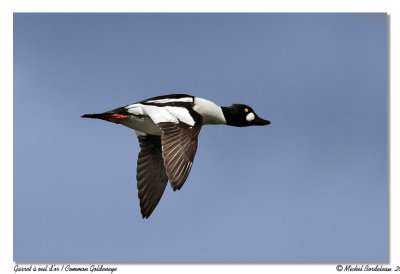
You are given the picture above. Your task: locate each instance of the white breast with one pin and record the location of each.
(211, 113)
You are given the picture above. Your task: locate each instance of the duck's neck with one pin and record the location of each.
(211, 113)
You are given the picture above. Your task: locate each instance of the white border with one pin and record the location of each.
(6, 16)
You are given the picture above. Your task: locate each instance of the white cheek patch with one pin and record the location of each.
(250, 116)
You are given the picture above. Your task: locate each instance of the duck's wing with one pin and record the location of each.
(180, 127)
(179, 146)
(150, 174)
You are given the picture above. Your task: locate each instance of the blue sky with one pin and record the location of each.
(312, 186)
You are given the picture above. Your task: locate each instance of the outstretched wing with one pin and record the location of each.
(151, 175)
(179, 145)
(180, 126)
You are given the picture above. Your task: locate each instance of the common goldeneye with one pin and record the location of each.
(167, 128)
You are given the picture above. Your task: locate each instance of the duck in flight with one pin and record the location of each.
(167, 128)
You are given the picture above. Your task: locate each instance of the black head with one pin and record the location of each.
(239, 115)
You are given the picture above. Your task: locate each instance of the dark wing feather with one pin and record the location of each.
(179, 146)
(151, 175)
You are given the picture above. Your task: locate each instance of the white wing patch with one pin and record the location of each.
(169, 114)
(160, 114)
(165, 101)
(182, 114)
(135, 109)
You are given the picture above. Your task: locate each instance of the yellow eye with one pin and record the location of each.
(246, 110)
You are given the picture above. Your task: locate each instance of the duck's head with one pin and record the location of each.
(240, 115)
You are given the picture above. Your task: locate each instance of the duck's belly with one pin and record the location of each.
(142, 124)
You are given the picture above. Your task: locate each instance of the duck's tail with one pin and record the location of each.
(95, 116)
(111, 117)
